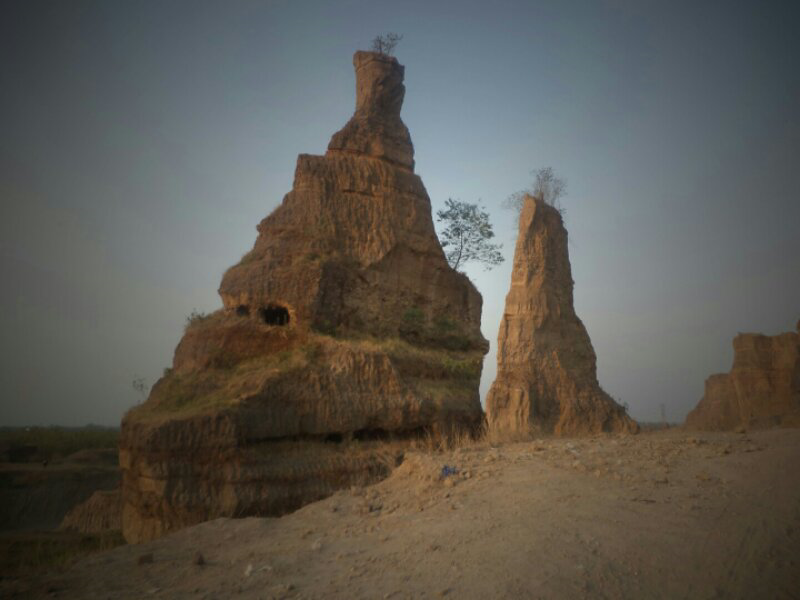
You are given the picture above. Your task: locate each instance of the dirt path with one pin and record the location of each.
(659, 515)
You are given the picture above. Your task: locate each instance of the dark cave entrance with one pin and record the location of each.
(274, 315)
(243, 310)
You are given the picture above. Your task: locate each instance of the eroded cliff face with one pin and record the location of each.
(761, 390)
(353, 247)
(342, 328)
(546, 366)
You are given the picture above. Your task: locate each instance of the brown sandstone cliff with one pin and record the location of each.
(761, 390)
(546, 372)
(342, 328)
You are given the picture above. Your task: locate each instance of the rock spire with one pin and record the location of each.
(376, 128)
(546, 373)
(343, 323)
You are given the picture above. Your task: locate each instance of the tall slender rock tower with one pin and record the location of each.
(343, 323)
(546, 371)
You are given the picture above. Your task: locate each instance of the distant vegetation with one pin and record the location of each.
(656, 425)
(35, 444)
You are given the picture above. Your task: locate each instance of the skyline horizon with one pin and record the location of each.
(142, 148)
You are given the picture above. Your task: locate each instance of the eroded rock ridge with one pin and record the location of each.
(761, 390)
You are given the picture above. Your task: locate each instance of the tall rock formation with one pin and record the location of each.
(761, 390)
(343, 327)
(546, 373)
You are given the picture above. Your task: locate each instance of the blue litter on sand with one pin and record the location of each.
(447, 471)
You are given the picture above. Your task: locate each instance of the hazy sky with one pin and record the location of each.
(141, 142)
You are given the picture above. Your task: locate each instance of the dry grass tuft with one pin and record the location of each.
(463, 438)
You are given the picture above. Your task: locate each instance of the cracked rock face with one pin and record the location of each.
(353, 244)
(761, 390)
(376, 128)
(342, 328)
(546, 367)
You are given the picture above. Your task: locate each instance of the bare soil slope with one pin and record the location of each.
(671, 514)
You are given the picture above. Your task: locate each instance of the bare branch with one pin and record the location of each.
(385, 44)
(545, 186)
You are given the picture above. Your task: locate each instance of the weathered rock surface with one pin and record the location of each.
(101, 512)
(342, 328)
(761, 390)
(546, 366)
(376, 128)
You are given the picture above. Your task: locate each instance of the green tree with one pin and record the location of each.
(466, 235)
(546, 187)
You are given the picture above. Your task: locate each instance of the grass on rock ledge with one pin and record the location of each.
(437, 373)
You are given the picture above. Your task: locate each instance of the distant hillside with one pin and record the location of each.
(36, 444)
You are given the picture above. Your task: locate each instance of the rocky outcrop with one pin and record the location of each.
(376, 128)
(546, 367)
(342, 329)
(761, 390)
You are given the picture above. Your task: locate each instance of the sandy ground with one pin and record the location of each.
(669, 514)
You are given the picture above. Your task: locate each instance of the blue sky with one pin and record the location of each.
(143, 141)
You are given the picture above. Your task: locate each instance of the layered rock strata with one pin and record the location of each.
(343, 328)
(761, 390)
(546, 367)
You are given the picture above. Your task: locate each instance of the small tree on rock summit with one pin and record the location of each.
(386, 44)
(466, 235)
(546, 187)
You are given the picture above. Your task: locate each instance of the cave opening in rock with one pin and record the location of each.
(243, 310)
(274, 315)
